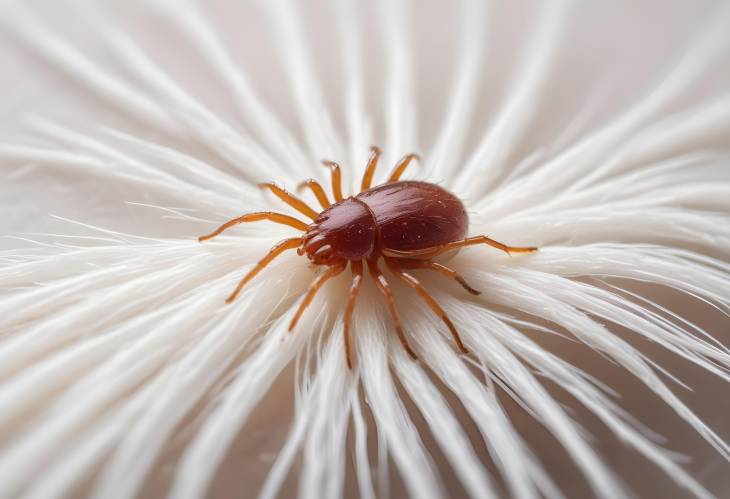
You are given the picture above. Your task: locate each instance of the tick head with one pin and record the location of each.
(344, 231)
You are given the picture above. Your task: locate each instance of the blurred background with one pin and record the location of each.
(607, 58)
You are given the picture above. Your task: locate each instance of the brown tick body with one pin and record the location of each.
(407, 223)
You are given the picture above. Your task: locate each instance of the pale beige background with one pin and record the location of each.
(614, 53)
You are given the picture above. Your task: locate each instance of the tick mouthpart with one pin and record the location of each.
(323, 253)
(311, 237)
(319, 251)
(316, 246)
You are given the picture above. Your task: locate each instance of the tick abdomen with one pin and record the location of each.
(412, 216)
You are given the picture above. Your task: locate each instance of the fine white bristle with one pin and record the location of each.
(123, 372)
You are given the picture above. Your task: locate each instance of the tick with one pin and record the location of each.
(406, 223)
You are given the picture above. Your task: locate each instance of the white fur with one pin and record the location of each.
(111, 342)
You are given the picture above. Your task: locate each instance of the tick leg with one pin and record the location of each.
(354, 290)
(388, 293)
(316, 285)
(401, 166)
(290, 199)
(471, 241)
(367, 178)
(441, 269)
(433, 305)
(280, 247)
(336, 179)
(279, 218)
(317, 190)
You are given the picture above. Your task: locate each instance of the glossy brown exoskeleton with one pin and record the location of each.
(407, 223)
